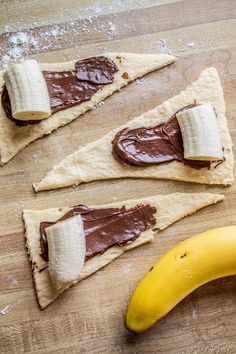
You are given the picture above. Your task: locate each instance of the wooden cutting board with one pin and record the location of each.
(89, 318)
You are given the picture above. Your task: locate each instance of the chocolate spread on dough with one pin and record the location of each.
(106, 227)
(70, 88)
(146, 146)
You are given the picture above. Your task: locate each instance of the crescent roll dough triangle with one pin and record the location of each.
(14, 138)
(170, 208)
(95, 161)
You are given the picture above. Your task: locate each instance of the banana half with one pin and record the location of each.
(66, 247)
(28, 91)
(200, 133)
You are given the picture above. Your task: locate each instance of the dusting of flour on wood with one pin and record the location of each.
(20, 43)
(5, 310)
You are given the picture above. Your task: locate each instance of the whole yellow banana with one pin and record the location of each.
(188, 265)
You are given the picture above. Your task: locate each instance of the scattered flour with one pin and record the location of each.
(194, 314)
(55, 33)
(20, 43)
(36, 158)
(139, 81)
(12, 281)
(5, 60)
(7, 308)
(127, 268)
(191, 44)
(19, 38)
(109, 27)
(18, 46)
(162, 46)
(99, 104)
(194, 311)
(111, 30)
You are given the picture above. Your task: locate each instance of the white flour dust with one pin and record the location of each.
(99, 104)
(19, 42)
(25, 42)
(127, 268)
(18, 46)
(139, 81)
(4, 311)
(194, 314)
(162, 47)
(12, 281)
(36, 159)
(191, 45)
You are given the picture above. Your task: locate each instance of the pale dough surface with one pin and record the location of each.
(170, 208)
(95, 161)
(14, 138)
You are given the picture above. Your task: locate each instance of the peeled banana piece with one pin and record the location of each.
(200, 133)
(190, 264)
(28, 91)
(66, 251)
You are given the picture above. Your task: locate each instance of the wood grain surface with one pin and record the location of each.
(89, 318)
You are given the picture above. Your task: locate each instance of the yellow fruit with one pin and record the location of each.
(188, 265)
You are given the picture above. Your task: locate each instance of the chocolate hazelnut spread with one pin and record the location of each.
(147, 146)
(96, 70)
(106, 227)
(70, 88)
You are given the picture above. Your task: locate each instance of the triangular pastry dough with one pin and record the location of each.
(95, 161)
(170, 208)
(14, 138)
